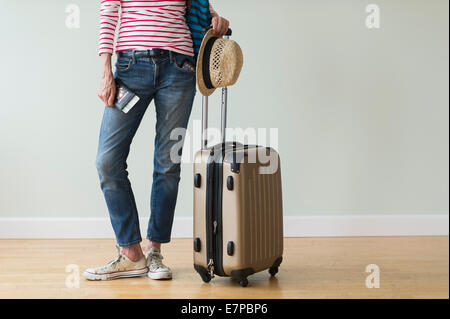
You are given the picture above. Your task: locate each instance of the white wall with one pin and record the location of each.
(362, 114)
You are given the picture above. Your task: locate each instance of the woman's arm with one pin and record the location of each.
(109, 16)
(220, 25)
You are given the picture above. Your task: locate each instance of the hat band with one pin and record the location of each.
(206, 62)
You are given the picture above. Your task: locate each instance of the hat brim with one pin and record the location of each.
(199, 69)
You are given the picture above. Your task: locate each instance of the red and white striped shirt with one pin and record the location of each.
(144, 25)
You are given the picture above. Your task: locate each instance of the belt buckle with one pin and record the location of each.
(157, 53)
(154, 53)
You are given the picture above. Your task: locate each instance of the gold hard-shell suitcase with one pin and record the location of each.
(238, 214)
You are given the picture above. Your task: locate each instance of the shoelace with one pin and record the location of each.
(155, 259)
(115, 260)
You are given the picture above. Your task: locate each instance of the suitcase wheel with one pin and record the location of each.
(205, 277)
(203, 272)
(273, 271)
(243, 282)
(241, 275)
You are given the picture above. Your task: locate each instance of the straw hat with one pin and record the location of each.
(219, 63)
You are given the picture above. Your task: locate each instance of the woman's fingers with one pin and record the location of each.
(107, 91)
(214, 25)
(106, 96)
(220, 26)
(112, 96)
(101, 95)
(226, 25)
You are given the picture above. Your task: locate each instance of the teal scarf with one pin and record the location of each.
(198, 18)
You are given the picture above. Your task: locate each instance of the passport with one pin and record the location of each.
(125, 98)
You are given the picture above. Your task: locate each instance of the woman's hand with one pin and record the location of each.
(107, 91)
(220, 25)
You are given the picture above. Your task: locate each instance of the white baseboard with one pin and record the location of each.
(294, 226)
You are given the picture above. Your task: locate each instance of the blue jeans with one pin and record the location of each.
(172, 86)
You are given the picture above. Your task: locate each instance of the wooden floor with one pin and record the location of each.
(410, 267)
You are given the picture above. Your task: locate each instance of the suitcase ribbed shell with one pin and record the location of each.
(252, 213)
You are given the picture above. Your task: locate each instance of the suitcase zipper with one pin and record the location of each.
(217, 212)
(213, 218)
(210, 218)
(210, 268)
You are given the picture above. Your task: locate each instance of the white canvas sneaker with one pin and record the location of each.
(120, 267)
(156, 269)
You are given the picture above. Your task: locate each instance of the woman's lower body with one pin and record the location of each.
(168, 79)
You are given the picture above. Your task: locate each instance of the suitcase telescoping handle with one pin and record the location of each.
(223, 117)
